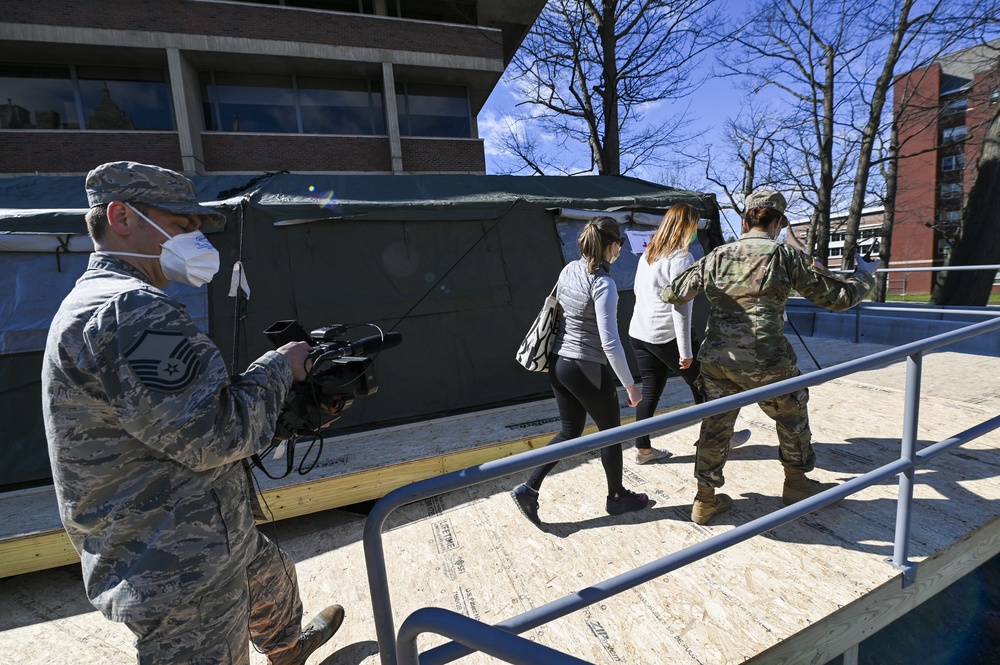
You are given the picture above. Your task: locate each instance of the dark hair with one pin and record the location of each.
(759, 218)
(596, 235)
(97, 218)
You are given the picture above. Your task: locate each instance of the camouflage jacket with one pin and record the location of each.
(146, 430)
(747, 283)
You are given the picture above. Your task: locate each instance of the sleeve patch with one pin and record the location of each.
(164, 361)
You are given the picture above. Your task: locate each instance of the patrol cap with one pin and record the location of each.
(144, 183)
(766, 198)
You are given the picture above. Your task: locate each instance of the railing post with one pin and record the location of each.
(908, 451)
(857, 324)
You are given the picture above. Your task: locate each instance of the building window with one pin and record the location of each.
(352, 6)
(955, 106)
(235, 102)
(433, 110)
(84, 97)
(836, 251)
(950, 216)
(953, 163)
(951, 190)
(340, 106)
(954, 134)
(943, 247)
(994, 95)
(462, 12)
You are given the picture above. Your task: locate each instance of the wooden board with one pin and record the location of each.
(801, 593)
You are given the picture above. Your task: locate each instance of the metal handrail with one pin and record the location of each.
(476, 634)
(375, 555)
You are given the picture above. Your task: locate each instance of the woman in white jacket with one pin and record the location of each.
(660, 333)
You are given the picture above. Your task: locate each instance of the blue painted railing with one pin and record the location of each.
(470, 635)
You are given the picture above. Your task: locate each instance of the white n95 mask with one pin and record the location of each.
(188, 258)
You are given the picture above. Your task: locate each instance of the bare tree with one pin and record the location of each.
(804, 51)
(751, 159)
(592, 71)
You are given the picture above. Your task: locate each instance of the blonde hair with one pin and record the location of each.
(675, 230)
(596, 235)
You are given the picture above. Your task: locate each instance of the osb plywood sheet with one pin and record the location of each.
(473, 552)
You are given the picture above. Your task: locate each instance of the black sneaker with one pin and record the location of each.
(627, 501)
(527, 500)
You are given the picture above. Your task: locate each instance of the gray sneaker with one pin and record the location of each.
(739, 438)
(651, 456)
(316, 633)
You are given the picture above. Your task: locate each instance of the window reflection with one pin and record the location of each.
(433, 110)
(337, 106)
(110, 98)
(236, 102)
(37, 97)
(121, 98)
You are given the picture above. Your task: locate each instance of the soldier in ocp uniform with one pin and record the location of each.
(147, 433)
(747, 283)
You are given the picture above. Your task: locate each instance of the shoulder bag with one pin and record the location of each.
(535, 351)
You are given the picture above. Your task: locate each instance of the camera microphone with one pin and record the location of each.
(365, 346)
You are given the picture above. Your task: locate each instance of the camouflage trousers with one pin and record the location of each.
(261, 604)
(789, 413)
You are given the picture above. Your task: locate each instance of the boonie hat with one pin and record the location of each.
(154, 185)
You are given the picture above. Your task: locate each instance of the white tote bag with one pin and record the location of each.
(536, 349)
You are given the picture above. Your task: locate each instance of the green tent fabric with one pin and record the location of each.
(458, 264)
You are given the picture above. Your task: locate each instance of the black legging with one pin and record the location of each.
(655, 362)
(583, 388)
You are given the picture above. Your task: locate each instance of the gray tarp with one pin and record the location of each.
(457, 264)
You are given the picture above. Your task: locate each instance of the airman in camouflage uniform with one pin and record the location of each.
(747, 283)
(147, 433)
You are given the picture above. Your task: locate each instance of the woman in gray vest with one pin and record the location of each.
(587, 350)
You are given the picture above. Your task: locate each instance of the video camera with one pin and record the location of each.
(341, 370)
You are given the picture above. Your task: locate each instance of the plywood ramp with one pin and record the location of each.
(801, 593)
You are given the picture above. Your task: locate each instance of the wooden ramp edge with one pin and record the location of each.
(43, 544)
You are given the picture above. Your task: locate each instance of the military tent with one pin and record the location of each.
(458, 264)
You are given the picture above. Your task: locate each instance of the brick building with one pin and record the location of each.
(212, 86)
(943, 112)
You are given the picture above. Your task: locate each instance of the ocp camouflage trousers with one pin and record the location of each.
(261, 604)
(788, 412)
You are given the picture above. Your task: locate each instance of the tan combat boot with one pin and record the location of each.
(316, 633)
(798, 486)
(708, 504)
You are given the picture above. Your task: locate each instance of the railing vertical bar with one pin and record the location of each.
(908, 450)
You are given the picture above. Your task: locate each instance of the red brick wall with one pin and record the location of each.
(257, 22)
(295, 152)
(79, 152)
(913, 243)
(437, 155)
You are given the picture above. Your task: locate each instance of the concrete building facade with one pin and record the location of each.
(210, 86)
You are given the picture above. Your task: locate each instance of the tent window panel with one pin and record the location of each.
(340, 106)
(125, 98)
(37, 97)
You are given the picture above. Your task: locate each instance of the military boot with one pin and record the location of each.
(316, 633)
(798, 486)
(707, 504)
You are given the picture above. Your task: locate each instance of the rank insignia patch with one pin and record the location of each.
(163, 361)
